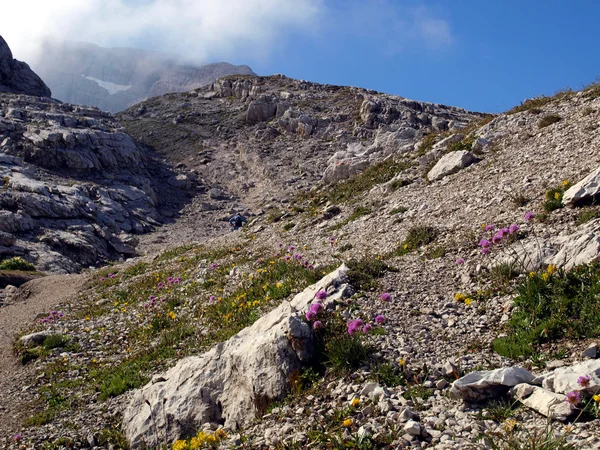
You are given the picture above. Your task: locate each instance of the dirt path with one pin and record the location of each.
(35, 297)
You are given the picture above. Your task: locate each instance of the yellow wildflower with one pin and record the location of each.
(180, 445)
(531, 274)
(468, 301)
(551, 269)
(545, 276)
(483, 225)
(405, 246)
(510, 424)
(94, 360)
(565, 183)
(355, 402)
(557, 195)
(88, 318)
(348, 422)
(459, 297)
(172, 315)
(596, 398)
(279, 284)
(401, 361)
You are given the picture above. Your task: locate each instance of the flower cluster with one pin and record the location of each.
(110, 276)
(153, 302)
(358, 325)
(576, 398)
(53, 317)
(201, 440)
(497, 237)
(463, 298)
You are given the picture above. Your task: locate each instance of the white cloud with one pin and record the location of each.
(196, 29)
(392, 26)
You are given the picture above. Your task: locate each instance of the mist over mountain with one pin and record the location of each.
(115, 78)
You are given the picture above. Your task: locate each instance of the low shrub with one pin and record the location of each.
(17, 263)
(550, 306)
(548, 120)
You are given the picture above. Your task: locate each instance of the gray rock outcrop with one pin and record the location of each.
(16, 77)
(586, 191)
(74, 187)
(234, 381)
(480, 385)
(543, 401)
(450, 163)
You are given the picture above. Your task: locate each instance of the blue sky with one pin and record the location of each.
(495, 54)
(482, 55)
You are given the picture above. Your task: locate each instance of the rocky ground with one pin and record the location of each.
(410, 185)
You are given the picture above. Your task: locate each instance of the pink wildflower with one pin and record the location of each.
(379, 319)
(497, 238)
(460, 261)
(385, 297)
(317, 325)
(584, 381)
(485, 243)
(316, 308)
(529, 216)
(485, 250)
(490, 227)
(573, 398)
(368, 327)
(321, 294)
(513, 228)
(310, 315)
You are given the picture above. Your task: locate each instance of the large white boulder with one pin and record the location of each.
(450, 163)
(478, 386)
(233, 382)
(543, 401)
(584, 191)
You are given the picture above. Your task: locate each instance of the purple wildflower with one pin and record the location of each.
(53, 312)
(60, 315)
(460, 261)
(317, 325)
(584, 381)
(310, 315)
(354, 326)
(490, 227)
(102, 279)
(485, 250)
(17, 437)
(529, 216)
(504, 231)
(573, 398)
(379, 319)
(212, 299)
(287, 257)
(298, 257)
(368, 327)
(513, 228)
(385, 297)
(316, 308)
(485, 243)
(215, 265)
(321, 294)
(291, 248)
(497, 238)
(310, 267)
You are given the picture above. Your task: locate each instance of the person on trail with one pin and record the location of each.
(237, 221)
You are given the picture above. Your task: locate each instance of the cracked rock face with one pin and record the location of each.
(74, 187)
(234, 381)
(16, 77)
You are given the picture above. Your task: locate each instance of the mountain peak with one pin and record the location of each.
(17, 77)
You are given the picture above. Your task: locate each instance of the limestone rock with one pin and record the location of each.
(564, 379)
(37, 338)
(450, 163)
(586, 191)
(480, 385)
(590, 352)
(260, 110)
(543, 401)
(16, 77)
(234, 381)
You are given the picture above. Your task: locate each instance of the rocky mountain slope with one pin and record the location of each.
(406, 280)
(17, 77)
(113, 79)
(258, 141)
(75, 188)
